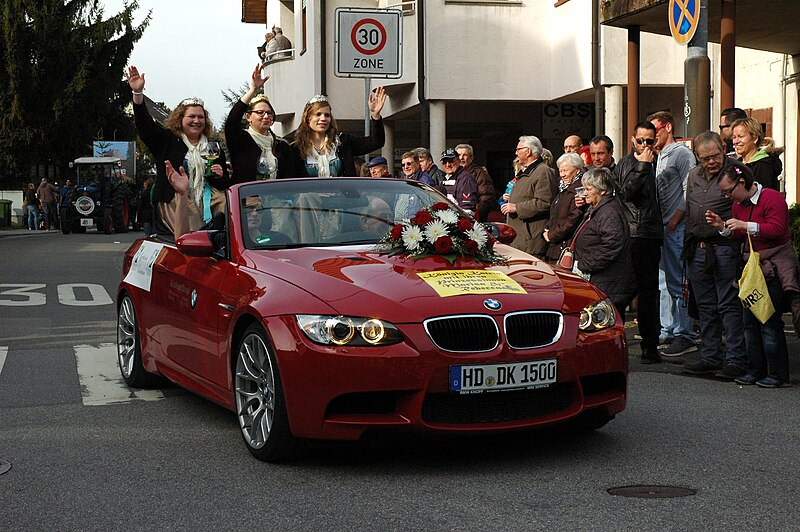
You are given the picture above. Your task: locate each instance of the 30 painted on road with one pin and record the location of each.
(32, 294)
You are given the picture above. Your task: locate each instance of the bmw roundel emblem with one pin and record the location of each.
(492, 304)
(194, 299)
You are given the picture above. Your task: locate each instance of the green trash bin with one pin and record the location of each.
(5, 212)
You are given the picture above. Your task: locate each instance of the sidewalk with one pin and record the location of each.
(675, 364)
(5, 231)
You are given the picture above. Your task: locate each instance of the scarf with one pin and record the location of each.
(199, 189)
(265, 143)
(563, 186)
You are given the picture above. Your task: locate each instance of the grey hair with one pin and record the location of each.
(533, 143)
(599, 178)
(466, 147)
(424, 153)
(572, 159)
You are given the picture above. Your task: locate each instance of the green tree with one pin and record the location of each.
(61, 81)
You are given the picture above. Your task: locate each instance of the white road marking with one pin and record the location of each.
(3, 353)
(101, 382)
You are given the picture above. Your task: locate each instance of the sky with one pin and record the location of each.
(194, 48)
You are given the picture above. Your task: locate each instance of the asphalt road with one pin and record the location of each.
(87, 457)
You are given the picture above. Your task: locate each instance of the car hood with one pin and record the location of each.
(355, 280)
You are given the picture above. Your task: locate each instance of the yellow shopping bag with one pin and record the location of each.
(753, 288)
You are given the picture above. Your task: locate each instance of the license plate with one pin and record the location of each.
(480, 378)
(86, 222)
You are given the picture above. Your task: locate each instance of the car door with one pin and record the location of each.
(190, 300)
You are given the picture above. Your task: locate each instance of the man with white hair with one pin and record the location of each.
(528, 207)
(283, 42)
(487, 199)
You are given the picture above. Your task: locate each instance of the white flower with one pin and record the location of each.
(412, 237)
(434, 230)
(448, 216)
(478, 234)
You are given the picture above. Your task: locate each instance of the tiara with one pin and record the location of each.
(319, 98)
(194, 100)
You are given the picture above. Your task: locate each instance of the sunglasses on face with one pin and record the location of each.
(649, 142)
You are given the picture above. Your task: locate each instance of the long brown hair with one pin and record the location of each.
(176, 117)
(302, 137)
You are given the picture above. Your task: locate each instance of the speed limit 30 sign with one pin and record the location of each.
(368, 43)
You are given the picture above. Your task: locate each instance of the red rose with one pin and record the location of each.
(397, 232)
(444, 244)
(464, 224)
(471, 247)
(423, 218)
(441, 206)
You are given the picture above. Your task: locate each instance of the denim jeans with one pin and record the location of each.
(717, 297)
(33, 217)
(766, 344)
(680, 323)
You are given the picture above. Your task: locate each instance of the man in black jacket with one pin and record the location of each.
(636, 183)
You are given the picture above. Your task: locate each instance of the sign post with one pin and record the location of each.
(368, 43)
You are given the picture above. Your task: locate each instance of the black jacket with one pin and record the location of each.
(245, 153)
(636, 187)
(349, 147)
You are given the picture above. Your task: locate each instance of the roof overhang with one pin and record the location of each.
(254, 11)
(762, 25)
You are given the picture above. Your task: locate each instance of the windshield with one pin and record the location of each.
(326, 212)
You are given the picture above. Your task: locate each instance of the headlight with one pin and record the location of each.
(598, 316)
(347, 330)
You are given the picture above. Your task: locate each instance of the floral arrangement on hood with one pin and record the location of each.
(441, 230)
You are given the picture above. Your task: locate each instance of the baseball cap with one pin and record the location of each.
(449, 153)
(377, 161)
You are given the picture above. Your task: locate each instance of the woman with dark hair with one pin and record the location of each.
(602, 241)
(182, 144)
(256, 152)
(321, 150)
(761, 214)
(757, 152)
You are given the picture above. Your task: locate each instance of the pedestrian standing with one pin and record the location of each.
(48, 198)
(32, 206)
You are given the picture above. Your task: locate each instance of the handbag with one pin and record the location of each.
(753, 291)
(567, 259)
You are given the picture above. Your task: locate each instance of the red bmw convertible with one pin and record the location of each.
(324, 308)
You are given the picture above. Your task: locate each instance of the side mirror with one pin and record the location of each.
(504, 233)
(196, 244)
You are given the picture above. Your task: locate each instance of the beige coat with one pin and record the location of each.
(532, 194)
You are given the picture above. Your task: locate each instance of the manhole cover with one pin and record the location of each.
(652, 492)
(4, 466)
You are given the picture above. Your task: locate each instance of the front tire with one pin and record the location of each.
(260, 404)
(129, 349)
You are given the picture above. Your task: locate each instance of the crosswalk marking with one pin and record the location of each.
(101, 382)
(3, 353)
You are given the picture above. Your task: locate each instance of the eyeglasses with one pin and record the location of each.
(450, 161)
(712, 157)
(661, 126)
(724, 126)
(521, 148)
(262, 112)
(649, 142)
(406, 164)
(729, 191)
(193, 101)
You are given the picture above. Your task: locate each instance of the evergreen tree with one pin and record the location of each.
(61, 81)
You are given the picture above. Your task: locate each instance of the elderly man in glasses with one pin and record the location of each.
(412, 170)
(636, 183)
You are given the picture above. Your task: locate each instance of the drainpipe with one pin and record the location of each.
(599, 103)
(424, 109)
(786, 80)
(323, 55)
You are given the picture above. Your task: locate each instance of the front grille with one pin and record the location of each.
(463, 334)
(495, 407)
(526, 330)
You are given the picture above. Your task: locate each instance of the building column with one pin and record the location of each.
(438, 129)
(388, 146)
(634, 39)
(727, 55)
(614, 124)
